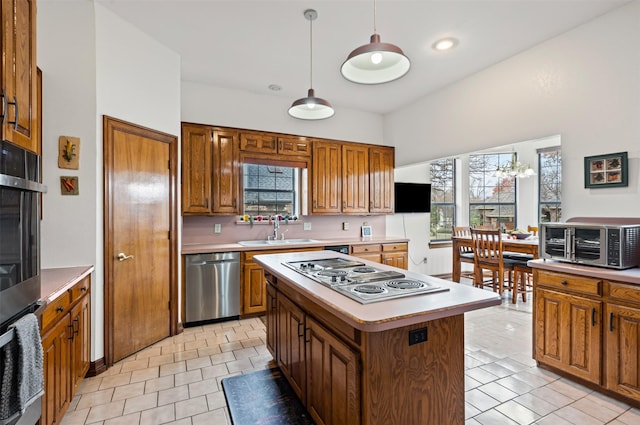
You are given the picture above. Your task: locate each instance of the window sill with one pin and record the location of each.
(440, 244)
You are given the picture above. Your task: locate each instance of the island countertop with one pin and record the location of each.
(382, 315)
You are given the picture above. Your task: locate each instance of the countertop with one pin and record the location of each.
(383, 315)
(201, 248)
(628, 275)
(54, 282)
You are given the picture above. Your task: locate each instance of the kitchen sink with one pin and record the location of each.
(263, 242)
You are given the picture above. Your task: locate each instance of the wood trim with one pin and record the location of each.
(97, 367)
(109, 125)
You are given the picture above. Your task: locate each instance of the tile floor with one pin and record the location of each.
(177, 380)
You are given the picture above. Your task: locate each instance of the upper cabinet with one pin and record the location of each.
(19, 76)
(210, 170)
(344, 177)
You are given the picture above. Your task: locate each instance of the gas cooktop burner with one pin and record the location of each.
(405, 284)
(332, 273)
(369, 289)
(364, 270)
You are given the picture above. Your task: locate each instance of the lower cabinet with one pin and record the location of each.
(66, 342)
(322, 370)
(589, 328)
(391, 254)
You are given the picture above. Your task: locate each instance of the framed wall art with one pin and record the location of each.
(606, 170)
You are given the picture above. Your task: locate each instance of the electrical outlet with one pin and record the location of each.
(217, 228)
(417, 336)
(306, 226)
(345, 225)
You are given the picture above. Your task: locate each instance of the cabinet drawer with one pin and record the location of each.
(394, 247)
(359, 249)
(573, 283)
(79, 289)
(624, 292)
(56, 310)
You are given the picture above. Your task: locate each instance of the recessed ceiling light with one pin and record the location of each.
(275, 87)
(445, 43)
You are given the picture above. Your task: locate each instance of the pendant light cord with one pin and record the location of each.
(375, 30)
(311, 52)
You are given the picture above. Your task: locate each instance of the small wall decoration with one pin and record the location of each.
(366, 231)
(68, 152)
(69, 185)
(606, 170)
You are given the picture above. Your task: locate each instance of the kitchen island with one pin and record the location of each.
(395, 361)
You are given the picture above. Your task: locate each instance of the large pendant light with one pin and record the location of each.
(311, 107)
(376, 62)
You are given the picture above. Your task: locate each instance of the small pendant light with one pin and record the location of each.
(376, 62)
(311, 107)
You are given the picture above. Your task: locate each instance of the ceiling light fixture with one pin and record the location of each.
(376, 62)
(311, 107)
(445, 43)
(514, 169)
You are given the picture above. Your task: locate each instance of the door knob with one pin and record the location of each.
(122, 257)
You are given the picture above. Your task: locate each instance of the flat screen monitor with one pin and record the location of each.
(412, 197)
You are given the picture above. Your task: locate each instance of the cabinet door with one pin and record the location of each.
(254, 297)
(81, 342)
(355, 178)
(381, 165)
(258, 142)
(298, 146)
(397, 259)
(19, 74)
(272, 320)
(568, 333)
(226, 172)
(291, 358)
(333, 390)
(196, 168)
(56, 366)
(622, 341)
(326, 185)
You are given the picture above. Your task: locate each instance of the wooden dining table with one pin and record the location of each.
(524, 246)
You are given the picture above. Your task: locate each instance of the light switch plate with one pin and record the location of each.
(307, 226)
(217, 228)
(345, 225)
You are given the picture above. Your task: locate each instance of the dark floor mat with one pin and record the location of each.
(263, 398)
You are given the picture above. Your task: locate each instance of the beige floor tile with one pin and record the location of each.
(596, 410)
(245, 353)
(515, 385)
(95, 398)
(198, 363)
(142, 375)
(128, 366)
(130, 419)
(75, 417)
(536, 404)
(140, 403)
(209, 350)
(517, 412)
(103, 412)
(222, 357)
(493, 417)
(158, 415)
(497, 391)
(217, 417)
(214, 371)
(480, 400)
(216, 400)
(203, 387)
(553, 419)
(161, 359)
(172, 395)
(576, 416)
(185, 378)
(149, 352)
(173, 368)
(115, 380)
(128, 391)
(191, 407)
(159, 384)
(185, 355)
(630, 417)
(90, 385)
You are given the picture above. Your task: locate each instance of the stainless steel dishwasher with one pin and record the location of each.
(212, 286)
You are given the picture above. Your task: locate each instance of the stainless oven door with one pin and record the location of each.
(590, 245)
(555, 242)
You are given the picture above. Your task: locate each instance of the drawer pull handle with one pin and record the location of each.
(83, 289)
(611, 322)
(300, 330)
(564, 282)
(59, 309)
(72, 331)
(593, 316)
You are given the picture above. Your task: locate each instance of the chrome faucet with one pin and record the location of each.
(276, 226)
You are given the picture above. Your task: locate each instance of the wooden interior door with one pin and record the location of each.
(140, 238)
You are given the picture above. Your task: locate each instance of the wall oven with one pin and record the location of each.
(20, 190)
(604, 245)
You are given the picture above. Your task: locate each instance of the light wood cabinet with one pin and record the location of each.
(355, 178)
(291, 345)
(589, 328)
(210, 170)
(271, 319)
(18, 74)
(381, 166)
(270, 143)
(66, 343)
(326, 178)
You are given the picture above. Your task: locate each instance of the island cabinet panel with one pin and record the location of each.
(290, 340)
(421, 383)
(254, 297)
(355, 178)
(271, 319)
(568, 333)
(381, 166)
(326, 178)
(622, 342)
(333, 384)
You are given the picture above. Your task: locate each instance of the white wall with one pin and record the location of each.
(233, 108)
(583, 85)
(94, 63)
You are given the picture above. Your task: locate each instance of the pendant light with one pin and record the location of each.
(311, 107)
(376, 62)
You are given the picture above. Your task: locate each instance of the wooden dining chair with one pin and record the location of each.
(487, 250)
(466, 252)
(522, 281)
